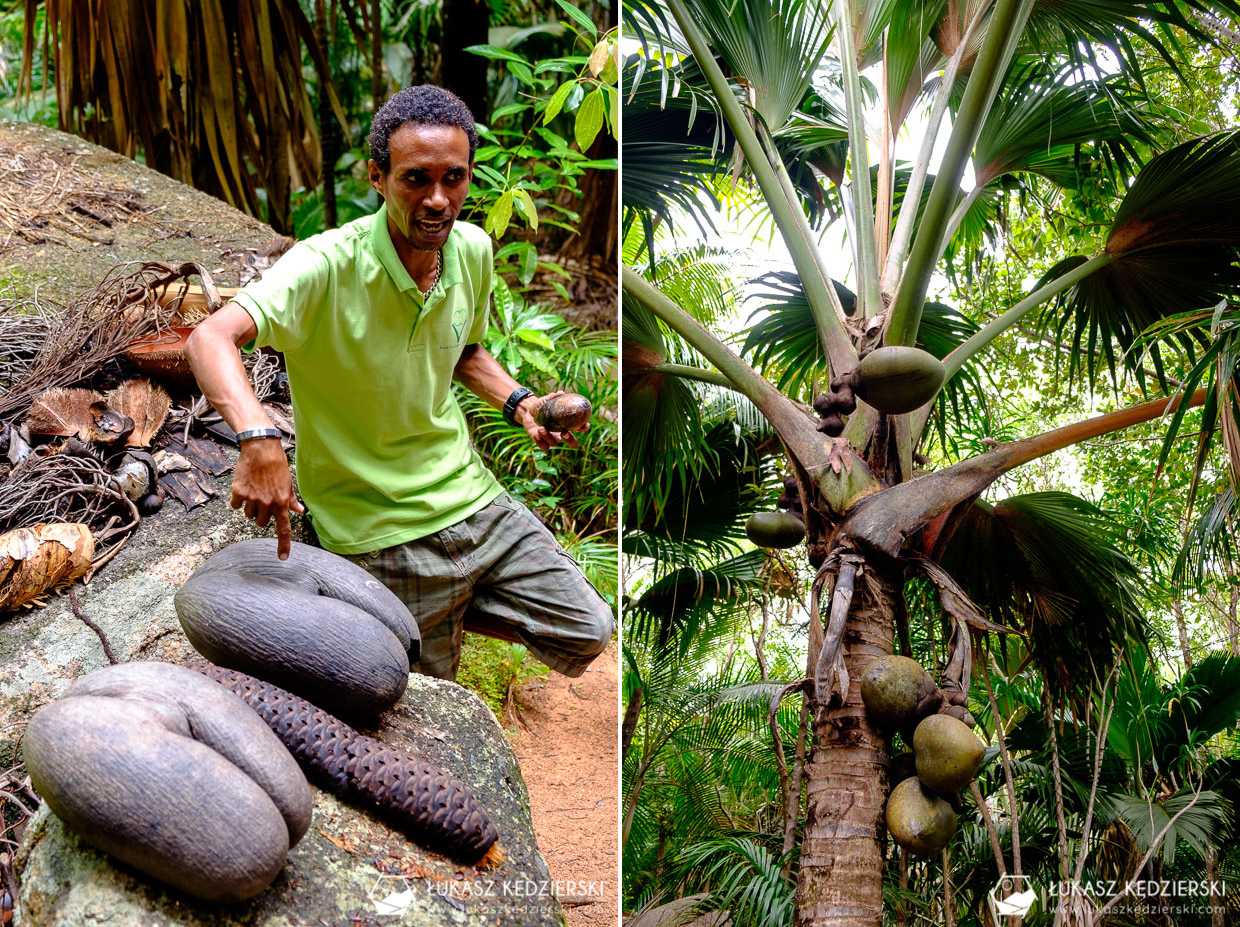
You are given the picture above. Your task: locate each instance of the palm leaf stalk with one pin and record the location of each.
(787, 213)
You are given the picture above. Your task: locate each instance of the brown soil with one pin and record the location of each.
(568, 755)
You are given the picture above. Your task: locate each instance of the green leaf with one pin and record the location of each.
(500, 215)
(529, 262)
(556, 102)
(537, 338)
(589, 119)
(522, 72)
(579, 17)
(490, 51)
(526, 204)
(538, 360)
(509, 110)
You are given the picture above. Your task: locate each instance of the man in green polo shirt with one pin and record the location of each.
(375, 321)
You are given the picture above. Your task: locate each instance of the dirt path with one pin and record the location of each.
(568, 756)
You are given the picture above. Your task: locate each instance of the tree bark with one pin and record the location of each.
(377, 83)
(1177, 608)
(629, 725)
(840, 883)
(465, 23)
(328, 137)
(1233, 624)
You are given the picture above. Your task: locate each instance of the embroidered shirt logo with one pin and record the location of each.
(458, 321)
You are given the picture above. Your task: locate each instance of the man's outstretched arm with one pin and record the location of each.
(262, 482)
(483, 376)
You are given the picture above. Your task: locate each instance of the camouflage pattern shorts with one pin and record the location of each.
(499, 566)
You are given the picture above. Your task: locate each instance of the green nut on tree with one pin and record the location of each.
(948, 753)
(775, 529)
(919, 820)
(891, 687)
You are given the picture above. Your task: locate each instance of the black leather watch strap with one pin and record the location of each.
(510, 407)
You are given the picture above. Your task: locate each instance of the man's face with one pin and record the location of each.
(427, 182)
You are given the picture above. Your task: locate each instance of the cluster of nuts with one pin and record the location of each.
(834, 405)
(901, 696)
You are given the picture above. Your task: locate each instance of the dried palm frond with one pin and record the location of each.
(146, 403)
(196, 85)
(92, 328)
(23, 330)
(66, 488)
(39, 200)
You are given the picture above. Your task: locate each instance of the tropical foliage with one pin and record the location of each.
(1042, 197)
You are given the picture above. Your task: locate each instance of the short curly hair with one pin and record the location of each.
(424, 105)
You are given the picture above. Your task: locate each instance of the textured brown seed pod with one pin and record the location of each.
(315, 624)
(169, 772)
(405, 789)
(79, 412)
(832, 425)
(146, 403)
(569, 412)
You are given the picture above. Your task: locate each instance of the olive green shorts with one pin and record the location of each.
(499, 566)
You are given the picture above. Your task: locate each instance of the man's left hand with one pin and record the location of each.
(538, 434)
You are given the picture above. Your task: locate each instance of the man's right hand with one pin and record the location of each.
(263, 484)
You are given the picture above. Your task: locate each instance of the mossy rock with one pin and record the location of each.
(919, 820)
(775, 529)
(948, 753)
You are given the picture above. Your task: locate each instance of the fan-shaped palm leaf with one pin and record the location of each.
(1047, 563)
(775, 46)
(1202, 821)
(745, 879)
(1038, 124)
(1172, 247)
(679, 601)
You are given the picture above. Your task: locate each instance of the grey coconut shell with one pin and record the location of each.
(169, 772)
(315, 624)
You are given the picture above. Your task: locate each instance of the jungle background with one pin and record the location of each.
(1110, 718)
(267, 107)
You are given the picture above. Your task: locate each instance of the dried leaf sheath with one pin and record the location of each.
(38, 559)
(403, 788)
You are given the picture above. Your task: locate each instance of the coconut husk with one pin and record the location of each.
(146, 403)
(65, 412)
(36, 560)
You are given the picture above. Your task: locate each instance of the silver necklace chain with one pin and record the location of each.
(438, 269)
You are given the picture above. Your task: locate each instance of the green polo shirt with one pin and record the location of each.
(383, 454)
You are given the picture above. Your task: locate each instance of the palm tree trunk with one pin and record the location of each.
(1233, 625)
(376, 54)
(841, 877)
(1177, 608)
(328, 138)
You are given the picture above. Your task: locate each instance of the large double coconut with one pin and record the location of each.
(947, 753)
(919, 820)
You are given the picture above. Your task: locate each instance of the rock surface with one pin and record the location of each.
(347, 857)
(173, 222)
